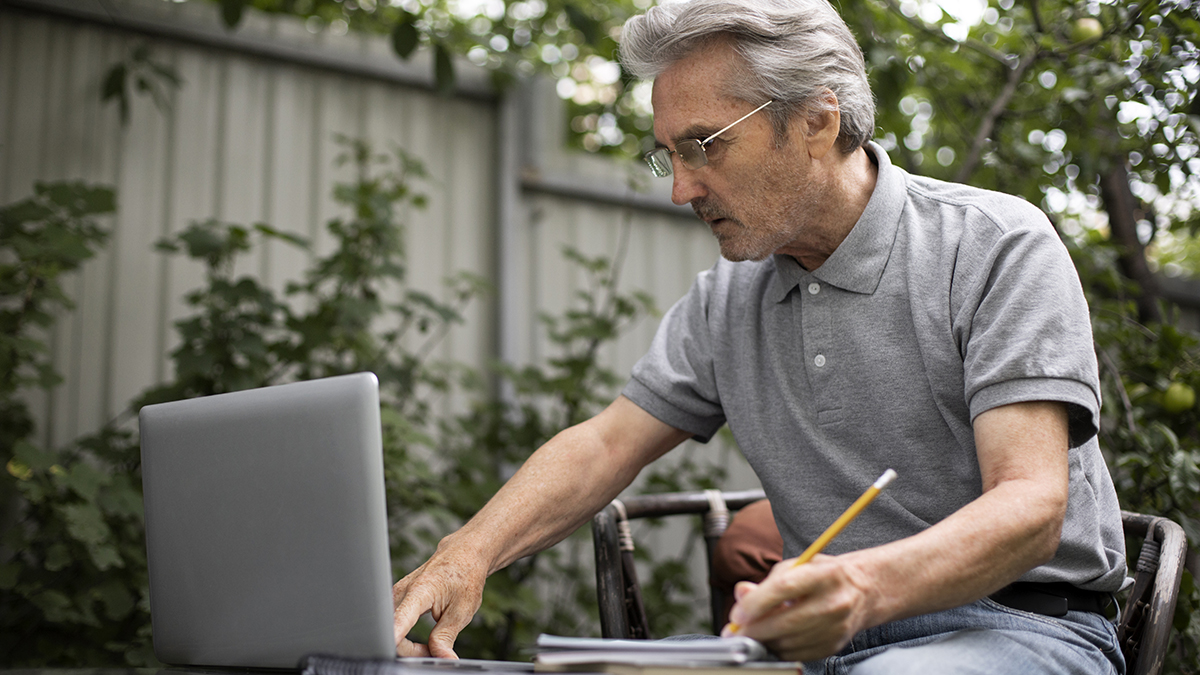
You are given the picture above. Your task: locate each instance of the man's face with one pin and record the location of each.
(756, 197)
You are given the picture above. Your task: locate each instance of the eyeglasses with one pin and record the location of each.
(691, 151)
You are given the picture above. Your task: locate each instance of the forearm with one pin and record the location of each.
(1014, 526)
(973, 553)
(556, 491)
(564, 483)
(813, 610)
(561, 485)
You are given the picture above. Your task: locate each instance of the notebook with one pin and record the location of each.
(266, 525)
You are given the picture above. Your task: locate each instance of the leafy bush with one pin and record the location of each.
(1151, 440)
(73, 578)
(73, 570)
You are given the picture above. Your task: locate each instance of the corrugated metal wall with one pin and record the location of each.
(249, 138)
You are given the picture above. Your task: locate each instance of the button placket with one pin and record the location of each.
(816, 320)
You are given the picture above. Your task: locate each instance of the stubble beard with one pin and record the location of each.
(739, 242)
(777, 204)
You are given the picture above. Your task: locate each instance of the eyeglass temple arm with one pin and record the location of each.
(731, 124)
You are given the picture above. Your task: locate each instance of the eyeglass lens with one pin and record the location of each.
(659, 160)
(691, 153)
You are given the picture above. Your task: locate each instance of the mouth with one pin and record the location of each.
(711, 214)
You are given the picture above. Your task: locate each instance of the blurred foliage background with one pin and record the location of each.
(1088, 109)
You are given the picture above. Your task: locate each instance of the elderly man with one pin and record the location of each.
(861, 318)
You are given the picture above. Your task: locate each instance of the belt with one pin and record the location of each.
(1051, 599)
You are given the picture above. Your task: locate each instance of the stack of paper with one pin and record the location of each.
(705, 656)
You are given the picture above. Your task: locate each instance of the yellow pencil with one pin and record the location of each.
(839, 524)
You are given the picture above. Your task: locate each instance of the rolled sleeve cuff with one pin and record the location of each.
(1083, 406)
(701, 427)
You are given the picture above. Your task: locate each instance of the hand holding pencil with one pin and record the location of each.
(838, 525)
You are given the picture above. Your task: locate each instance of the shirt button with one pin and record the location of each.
(814, 288)
(820, 360)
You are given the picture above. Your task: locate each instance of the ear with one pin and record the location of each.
(822, 127)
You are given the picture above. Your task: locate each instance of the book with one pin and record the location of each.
(702, 656)
(330, 664)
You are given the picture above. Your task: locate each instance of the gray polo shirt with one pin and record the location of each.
(943, 302)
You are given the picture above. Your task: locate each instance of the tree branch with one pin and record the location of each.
(988, 124)
(936, 32)
(1107, 361)
(1120, 204)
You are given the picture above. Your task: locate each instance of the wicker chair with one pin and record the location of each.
(1143, 631)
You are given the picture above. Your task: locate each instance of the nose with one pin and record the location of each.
(686, 185)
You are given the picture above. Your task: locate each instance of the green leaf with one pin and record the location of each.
(34, 457)
(84, 480)
(55, 605)
(105, 557)
(10, 574)
(114, 83)
(26, 211)
(443, 69)
(587, 25)
(85, 523)
(231, 12)
(100, 200)
(58, 557)
(117, 600)
(405, 36)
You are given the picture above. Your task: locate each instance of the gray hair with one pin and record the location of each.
(793, 51)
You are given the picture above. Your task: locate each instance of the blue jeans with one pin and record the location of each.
(983, 637)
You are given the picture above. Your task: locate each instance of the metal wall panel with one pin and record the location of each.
(246, 139)
(249, 137)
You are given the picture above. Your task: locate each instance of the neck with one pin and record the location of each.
(849, 183)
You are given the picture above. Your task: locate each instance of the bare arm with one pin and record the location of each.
(813, 610)
(561, 486)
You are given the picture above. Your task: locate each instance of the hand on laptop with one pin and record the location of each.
(449, 586)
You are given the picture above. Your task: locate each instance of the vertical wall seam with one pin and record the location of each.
(219, 146)
(449, 225)
(316, 167)
(10, 102)
(267, 213)
(74, 359)
(47, 83)
(113, 302)
(163, 323)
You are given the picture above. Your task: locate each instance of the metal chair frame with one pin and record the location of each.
(1144, 628)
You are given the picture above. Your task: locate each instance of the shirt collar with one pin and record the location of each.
(858, 262)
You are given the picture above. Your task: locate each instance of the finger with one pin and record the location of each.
(449, 624)
(399, 590)
(741, 588)
(800, 638)
(409, 608)
(757, 602)
(786, 585)
(406, 647)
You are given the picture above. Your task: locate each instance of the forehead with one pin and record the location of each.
(689, 93)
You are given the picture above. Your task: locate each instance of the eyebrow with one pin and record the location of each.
(698, 132)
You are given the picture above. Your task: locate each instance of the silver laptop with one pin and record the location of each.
(266, 525)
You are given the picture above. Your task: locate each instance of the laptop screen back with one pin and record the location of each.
(266, 525)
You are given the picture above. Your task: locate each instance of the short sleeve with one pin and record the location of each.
(675, 381)
(1024, 330)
